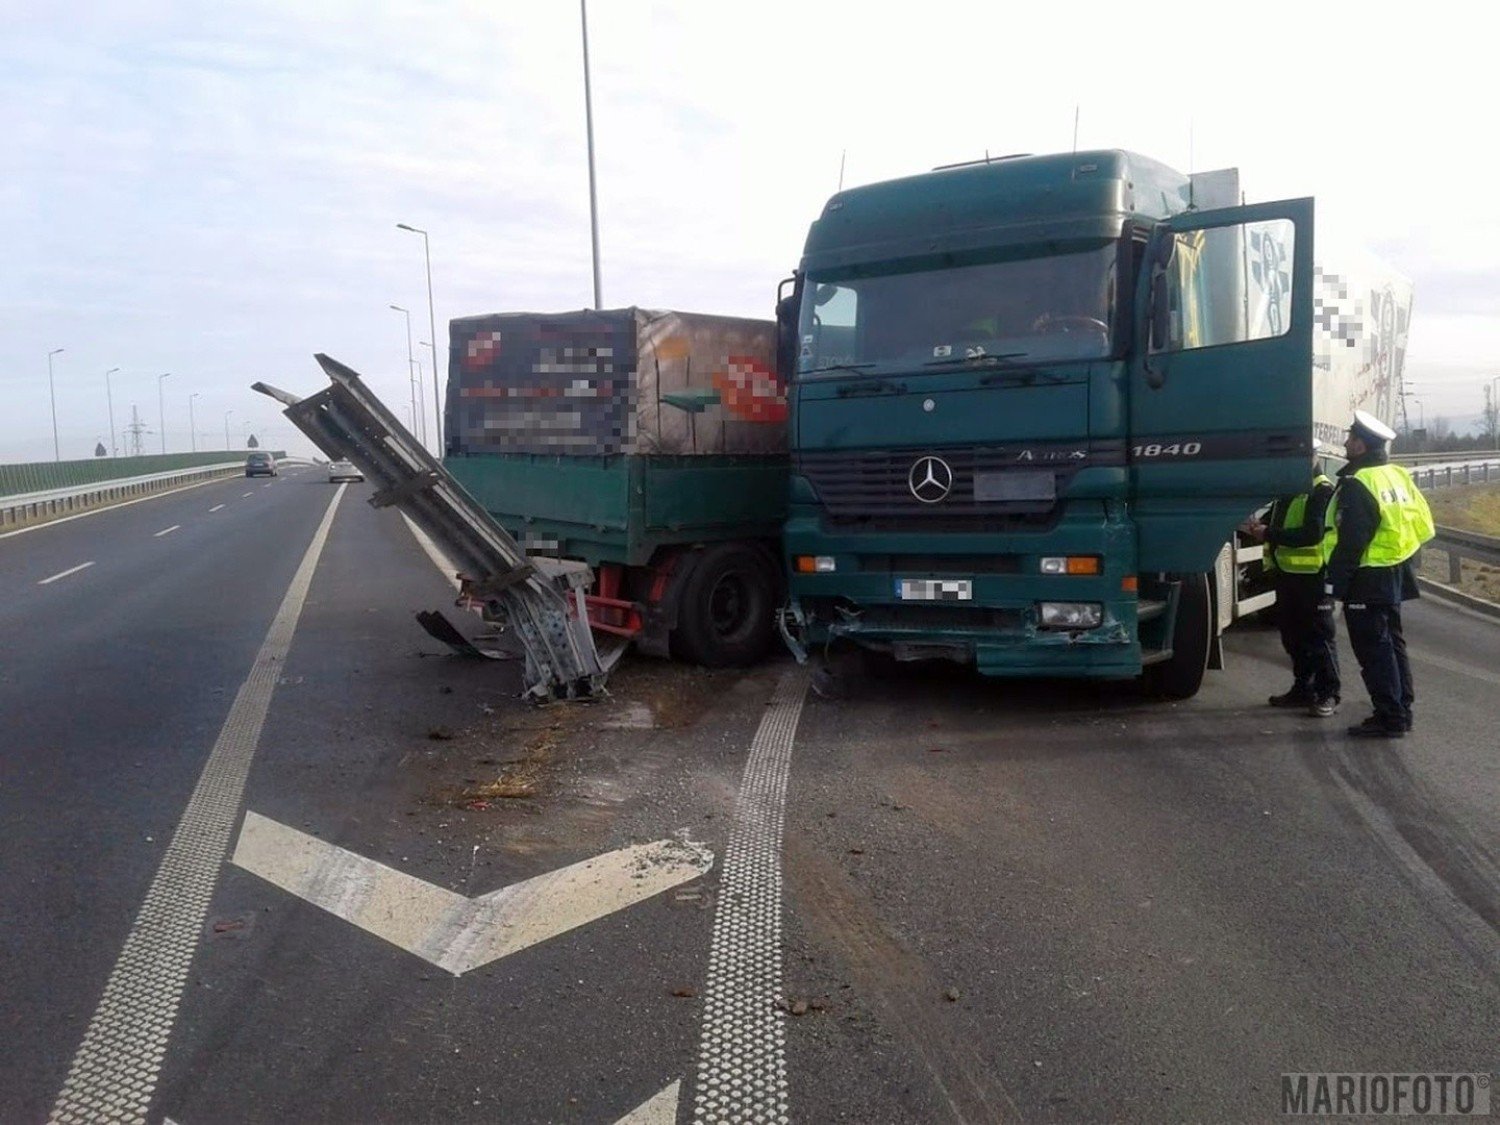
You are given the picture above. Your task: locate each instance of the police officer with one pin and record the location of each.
(1381, 520)
(1298, 541)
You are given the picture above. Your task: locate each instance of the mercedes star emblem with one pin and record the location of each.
(930, 479)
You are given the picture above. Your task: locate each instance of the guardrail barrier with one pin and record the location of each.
(108, 485)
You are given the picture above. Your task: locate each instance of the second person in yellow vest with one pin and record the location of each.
(1298, 542)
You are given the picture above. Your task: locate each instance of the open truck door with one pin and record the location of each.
(1220, 402)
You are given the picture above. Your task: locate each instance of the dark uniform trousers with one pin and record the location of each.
(1307, 634)
(1376, 637)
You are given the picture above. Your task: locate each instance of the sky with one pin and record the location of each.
(211, 191)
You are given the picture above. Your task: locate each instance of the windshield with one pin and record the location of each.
(1031, 309)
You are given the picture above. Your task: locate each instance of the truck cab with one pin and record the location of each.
(1031, 399)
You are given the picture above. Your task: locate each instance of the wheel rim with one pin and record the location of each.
(728, 604)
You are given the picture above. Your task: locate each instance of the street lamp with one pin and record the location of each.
(588, 115)
(227, 413)
(114, 450)
(437, 406)
(192, 425)
(410, 385)
(161, 410)
(416, 365)
(52, 393)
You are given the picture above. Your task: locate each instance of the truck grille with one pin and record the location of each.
(940, 617)
(878, 482)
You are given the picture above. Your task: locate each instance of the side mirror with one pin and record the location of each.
(786, 335)
(823, 294)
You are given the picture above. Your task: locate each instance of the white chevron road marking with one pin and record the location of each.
(450, 930)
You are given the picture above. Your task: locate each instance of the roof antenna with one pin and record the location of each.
(842, 157)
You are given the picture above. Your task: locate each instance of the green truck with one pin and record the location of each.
(1010, 414)
(651, 445)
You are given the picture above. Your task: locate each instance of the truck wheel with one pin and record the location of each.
(726, 617)
(1180, 676)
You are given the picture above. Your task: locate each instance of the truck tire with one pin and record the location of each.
(1181, 675)
(726, 616)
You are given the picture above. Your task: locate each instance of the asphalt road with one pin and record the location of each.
(989, 901)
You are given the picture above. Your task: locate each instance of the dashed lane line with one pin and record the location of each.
(742, 1046)
(65, 573)
(216, 507)
(166, 531)
(115, 1071)
(109, 508)
(243, 495)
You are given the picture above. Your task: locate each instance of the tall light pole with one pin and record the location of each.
(114, 450)
(52, 393)
(422, 423)
(161, 410)
(411, 386)
(192, 425)
(227, 413)
(588, 114)
(437, 406)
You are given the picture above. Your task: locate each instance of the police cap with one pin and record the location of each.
(1370, 429)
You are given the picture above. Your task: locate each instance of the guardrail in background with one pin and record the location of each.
(37, 507)
(1460, 545)
(1457, 457)
(1446, 476)
(43, 476)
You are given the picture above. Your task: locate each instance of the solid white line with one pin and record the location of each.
(448, 929)
(64, 574)
(115, 1070)
(216, 507)
(445, 565)
(166, 531)
(660, 1110)
(1455, 666)
(110, 507)
(742, 1046)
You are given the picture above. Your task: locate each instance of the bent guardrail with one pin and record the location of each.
(542, 601)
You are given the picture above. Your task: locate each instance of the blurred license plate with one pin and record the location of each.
(935, 589)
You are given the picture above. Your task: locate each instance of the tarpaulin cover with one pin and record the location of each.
(597, 383)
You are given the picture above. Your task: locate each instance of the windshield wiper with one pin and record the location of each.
(985, 359)
(839, 367)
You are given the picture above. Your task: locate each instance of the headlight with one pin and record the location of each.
(815, 564)
(1070, 615)
(1071, 564)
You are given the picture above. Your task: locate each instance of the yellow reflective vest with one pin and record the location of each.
(1405, 518)
(1312, 558)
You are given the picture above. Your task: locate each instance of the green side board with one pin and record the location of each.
(623, 509)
